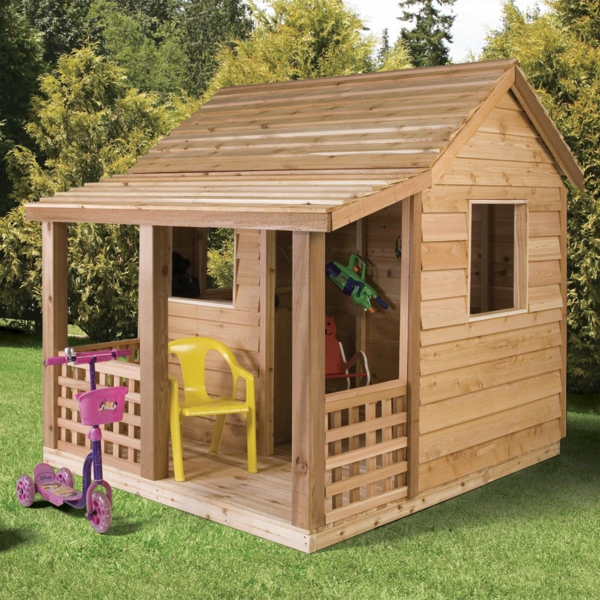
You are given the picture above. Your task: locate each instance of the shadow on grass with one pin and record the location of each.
(121, 525)
(10, 538)
(12, 339)
(124, 526)
(546, 491)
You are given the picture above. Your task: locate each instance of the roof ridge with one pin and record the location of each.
(475, 65)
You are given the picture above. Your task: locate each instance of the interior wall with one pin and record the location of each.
(375, 239)
(282, 374)
(238, 327)
(493, 389)
(384, 230)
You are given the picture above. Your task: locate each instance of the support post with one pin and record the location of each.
(267, 341)
(308, 380)
(563, 322)
(414, 345)
(54, 318)
(155, 266)
(361, 315)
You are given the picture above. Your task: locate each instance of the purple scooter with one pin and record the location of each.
(96, 407)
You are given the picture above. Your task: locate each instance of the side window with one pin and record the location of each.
(498, 257)
(203, 263)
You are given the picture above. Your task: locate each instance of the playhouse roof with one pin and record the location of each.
(309, 155)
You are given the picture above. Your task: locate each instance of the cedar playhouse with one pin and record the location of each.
(447, 180)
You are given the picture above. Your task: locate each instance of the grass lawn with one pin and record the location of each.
(535, 534)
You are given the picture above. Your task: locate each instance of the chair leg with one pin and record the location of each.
(177, 448)
(218, 434)
(251, 437)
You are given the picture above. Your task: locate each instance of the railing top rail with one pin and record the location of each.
(108, 345)
(364, 395)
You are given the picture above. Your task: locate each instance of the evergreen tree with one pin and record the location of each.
(299, 39)
(88, 124)
(560, 55)
(20, 66)
(425, 42)
(151, 51)
(62, 23)
(208, 24)
(384, 49)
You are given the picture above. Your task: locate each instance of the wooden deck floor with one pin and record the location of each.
(224, 478)
(218, 488)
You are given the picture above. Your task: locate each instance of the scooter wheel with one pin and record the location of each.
(101, 514)
(25, 490)
(65, 476)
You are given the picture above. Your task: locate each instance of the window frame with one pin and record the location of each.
(521, 260)
(207, 301)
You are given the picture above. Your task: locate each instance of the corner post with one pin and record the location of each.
(54, 318)
(563, 324)
(308, 380)
(414, 344)
(155, 266)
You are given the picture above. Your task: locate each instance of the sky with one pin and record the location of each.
(473, 19)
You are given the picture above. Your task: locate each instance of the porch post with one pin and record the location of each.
(54, 318)
(155, 264)
(308, 380)
(414, 341)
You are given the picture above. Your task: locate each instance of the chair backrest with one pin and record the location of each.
(191, 353)
(333, 356)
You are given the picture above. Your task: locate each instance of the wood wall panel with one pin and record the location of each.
(491, 388)
(238, 327)
(470, 433)
(488, 454)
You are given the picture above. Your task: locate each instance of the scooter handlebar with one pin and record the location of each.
(84, 358)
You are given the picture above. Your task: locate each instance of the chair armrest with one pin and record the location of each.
(357, 355)
(362, 356)
(238, 372)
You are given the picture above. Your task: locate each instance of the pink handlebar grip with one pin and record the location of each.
(55, 360)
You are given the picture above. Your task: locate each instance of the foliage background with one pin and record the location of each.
(87, 86)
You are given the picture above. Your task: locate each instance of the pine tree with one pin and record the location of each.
(384, 49)
(208, 24)
(425, 41)
(87, 123)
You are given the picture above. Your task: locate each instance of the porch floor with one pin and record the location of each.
(218, 488)
(224, 478)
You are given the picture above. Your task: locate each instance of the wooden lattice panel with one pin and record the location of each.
(120, 441)
(365, 448)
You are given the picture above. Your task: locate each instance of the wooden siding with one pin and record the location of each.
(491, 389)
(238, 326)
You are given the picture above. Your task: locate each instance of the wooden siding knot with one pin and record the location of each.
(301, 466)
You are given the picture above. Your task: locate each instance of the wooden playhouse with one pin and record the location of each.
(448, 181)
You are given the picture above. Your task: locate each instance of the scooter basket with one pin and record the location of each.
(101, 406)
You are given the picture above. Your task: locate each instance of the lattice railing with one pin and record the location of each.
(120, 441)
(365, 448)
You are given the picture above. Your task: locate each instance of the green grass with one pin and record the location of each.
(535, 534)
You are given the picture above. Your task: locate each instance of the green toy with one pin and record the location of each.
(351, 280)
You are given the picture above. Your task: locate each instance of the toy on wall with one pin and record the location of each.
(96, 407)
(351, 280)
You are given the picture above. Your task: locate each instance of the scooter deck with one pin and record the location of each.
(50, 488)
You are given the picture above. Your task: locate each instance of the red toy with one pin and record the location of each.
(336, 366)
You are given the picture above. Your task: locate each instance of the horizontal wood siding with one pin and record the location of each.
(238, 327)
(491, 389)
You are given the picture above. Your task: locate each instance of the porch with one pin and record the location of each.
(365, 462)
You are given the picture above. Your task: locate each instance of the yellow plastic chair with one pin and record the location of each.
(192, 356)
